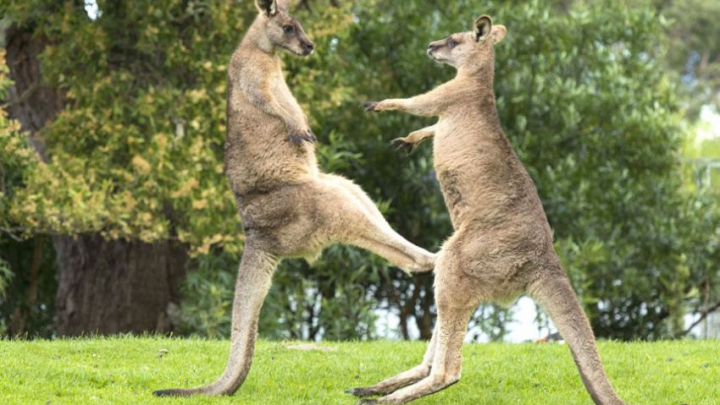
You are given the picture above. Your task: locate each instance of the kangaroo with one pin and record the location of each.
(502, 245)
(289, 208)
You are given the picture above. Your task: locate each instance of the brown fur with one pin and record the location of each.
(502, 245)
(289, 208)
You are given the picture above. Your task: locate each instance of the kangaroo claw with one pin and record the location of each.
(370, 106)
(402, 144)
(310, 136)
(298, 138)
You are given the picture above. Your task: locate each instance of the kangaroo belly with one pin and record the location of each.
(258, 155)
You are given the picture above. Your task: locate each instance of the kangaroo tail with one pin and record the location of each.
(557, 297)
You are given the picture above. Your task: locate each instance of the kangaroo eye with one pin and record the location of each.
(288, 29)
(453, 43)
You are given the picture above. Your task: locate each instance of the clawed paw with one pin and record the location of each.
(370, 106)
(299, 138)
(402, 144)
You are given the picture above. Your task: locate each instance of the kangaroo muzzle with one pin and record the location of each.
(308, 48)
(433, 47)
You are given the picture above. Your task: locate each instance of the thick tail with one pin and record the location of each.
(557, 297)
(253, 282)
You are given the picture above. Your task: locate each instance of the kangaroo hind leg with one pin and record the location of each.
(446, 366)
(369, 229)
(253, 283)
(403, 379)
(554, 294)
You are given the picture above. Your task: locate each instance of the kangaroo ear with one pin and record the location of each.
(483, 26)
(498, 33)
(269, 7)
(283, 5)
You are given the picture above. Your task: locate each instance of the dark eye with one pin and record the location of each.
(452, 43)
(288, 29)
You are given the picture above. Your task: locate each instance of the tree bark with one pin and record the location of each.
(109, 287)
(104, 286)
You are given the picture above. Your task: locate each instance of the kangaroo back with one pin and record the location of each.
(556, 296)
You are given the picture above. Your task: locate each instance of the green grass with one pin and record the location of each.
(127, 370)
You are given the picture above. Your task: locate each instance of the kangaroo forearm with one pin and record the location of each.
(420, 105)
(421, 135)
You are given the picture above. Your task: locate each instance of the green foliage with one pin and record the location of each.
(594, 119)
(695, 50)
(126, 371)
(582, 95)
(139, 154)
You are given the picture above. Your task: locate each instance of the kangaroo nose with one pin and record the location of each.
(310, 47)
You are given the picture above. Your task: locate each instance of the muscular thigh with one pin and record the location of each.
(352, 190)
(284, 221)
(472, 262)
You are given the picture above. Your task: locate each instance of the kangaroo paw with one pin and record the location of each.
(370, 106)
(310, 136)
(402, 144)
(298, 138)
(361, 392)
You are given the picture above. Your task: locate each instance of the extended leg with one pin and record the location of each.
(387, 243)
(554, 293)
(403, 379)
(370, 230)
(253, 283)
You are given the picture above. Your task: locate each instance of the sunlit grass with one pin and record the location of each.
(127, 370)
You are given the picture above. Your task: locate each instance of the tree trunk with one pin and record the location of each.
(104, 286)
(108, 287)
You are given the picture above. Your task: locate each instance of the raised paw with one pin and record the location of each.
(310, 136)
(370, 106)
(299, 138)
(402, 144)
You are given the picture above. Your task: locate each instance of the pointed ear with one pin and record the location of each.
(283, 5)
(498, 33)
(269, 7)
(483, 26)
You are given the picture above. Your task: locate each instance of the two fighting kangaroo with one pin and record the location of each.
(502, 245)
(288, 207)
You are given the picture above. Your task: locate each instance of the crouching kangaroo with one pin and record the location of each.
(502, 245)
(288, 207)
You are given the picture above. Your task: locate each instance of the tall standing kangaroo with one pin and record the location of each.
(288, 207)
(502, 245)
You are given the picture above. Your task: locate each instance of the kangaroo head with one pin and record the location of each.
(471, 48)
(282, 29)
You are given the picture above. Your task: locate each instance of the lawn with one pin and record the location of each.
(126, 370)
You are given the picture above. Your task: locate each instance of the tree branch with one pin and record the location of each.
(704, 314)
(23, 97)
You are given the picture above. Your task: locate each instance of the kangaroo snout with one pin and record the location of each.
(433, 47)
(308, 48)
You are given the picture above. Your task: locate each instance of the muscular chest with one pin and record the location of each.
(282, 93)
